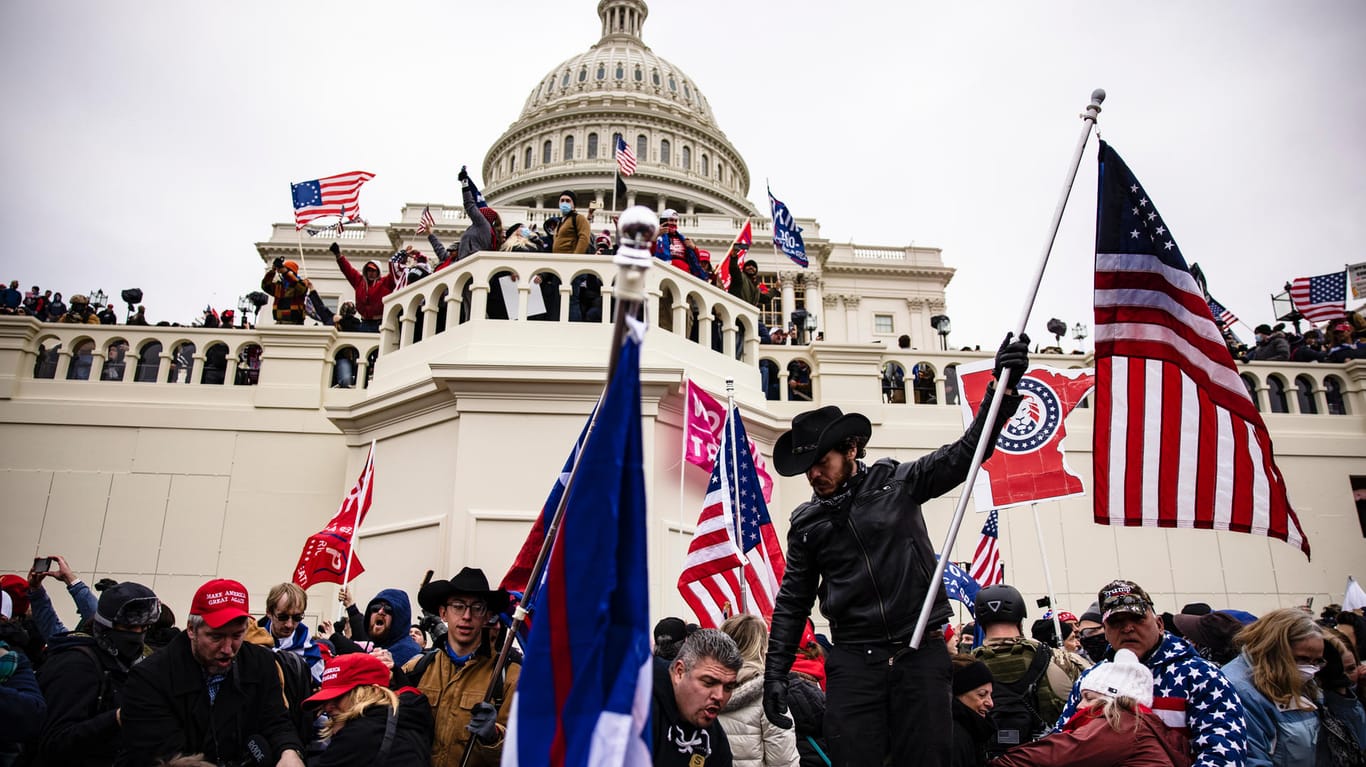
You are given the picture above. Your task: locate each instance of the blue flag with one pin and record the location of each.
(961, 586)
(787, 236)
(584, 693)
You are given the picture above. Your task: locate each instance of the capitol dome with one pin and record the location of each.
(566, 134)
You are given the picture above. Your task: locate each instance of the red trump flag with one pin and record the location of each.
(325, 553)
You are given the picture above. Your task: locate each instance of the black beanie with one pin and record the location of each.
(970, 677)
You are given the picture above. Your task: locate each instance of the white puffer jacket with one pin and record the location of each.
(754, 741)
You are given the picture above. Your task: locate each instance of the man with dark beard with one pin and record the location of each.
(84, 673)
(862, 546)
(385, 624)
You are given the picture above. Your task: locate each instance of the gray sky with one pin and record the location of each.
(151, 144)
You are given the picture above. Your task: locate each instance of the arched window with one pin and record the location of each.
(621, 71)
(1332, 391)
(706, 164)
(1304, 387)
(951, 385)
(545, 153)
(768, 373)
(893, 383)
(654, 76)
(602, 71)
(687, 158)
(568, 148)
(1275, 391)
(564, 81)
(527, 162)
(592, 146)
(642, 148)
(640, 75)
(720, 173)
(1250, 384)
(82, 359)
(664, 157)
(673, 84)
(512, 163)
(583, 74)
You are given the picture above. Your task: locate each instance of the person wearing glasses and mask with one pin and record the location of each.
(455, 674)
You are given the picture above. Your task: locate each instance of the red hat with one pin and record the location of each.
(345, 673)
(17, 588)
(220, 601)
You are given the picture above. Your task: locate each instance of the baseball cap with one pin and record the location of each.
(345, 673)
(220, 601)
(1121, 596)
(670, 630)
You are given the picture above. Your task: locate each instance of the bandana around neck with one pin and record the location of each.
(846, 490)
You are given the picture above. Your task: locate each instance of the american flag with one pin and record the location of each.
(1177, 440)
(626, 157)
(1320, 298)
(398, 268)
(709, 583)
(426, 224)
(1222, 317)
(986, 561)
(331, 196)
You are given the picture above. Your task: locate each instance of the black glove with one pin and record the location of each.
(1013, 358)
(463, 175)
(278, 262)
(335, 248)
(775, 703)
(484, 722)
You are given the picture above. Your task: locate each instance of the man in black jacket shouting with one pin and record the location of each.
(861, 545)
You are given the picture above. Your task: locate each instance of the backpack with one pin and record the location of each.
(1016, 716)
(296, 681)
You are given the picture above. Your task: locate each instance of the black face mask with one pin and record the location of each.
(1095, 647)
(126, 644)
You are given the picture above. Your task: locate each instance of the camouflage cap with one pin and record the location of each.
(1121, 596)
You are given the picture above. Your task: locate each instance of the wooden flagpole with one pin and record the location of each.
(1089, 121)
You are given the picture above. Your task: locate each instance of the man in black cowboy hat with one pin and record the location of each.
(861, 545)
(458, 670)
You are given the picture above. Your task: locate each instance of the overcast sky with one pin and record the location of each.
(150, 144)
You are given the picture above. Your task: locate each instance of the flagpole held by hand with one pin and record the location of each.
(1088, 122)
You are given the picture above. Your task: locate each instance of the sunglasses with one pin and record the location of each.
(382, 608)
(290, 617)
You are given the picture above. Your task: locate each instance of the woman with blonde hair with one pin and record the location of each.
(1274, 677)
(754, 741)
(367, 723)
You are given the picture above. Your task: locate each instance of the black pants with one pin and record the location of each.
(888, 705)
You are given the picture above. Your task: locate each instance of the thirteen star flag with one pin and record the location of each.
(332, 196)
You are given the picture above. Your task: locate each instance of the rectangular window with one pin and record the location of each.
(882, 323)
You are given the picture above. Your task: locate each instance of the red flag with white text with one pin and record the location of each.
(323, 559)
(705, 421)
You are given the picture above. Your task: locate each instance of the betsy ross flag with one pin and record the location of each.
(332, 196)
(709, 582)
(1177, 440)
(626, 157)
(986, 567)
(584, 694)
(324, 556)
(739, 249)
(1320, 298)
(426, 223)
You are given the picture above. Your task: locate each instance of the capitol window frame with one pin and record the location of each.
(685, 157)
(706, 164)
(564, 81)
(593, 146)
(602, 72)
(545, 152)
(528, 157)
(884, 324)
(568, 147)
(640, 75)
(583, 74)
(620, 71)
(673, 85)
(665, 152)
(642, 148)
(654, 77)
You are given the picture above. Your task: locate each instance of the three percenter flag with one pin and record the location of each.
(1177, 442)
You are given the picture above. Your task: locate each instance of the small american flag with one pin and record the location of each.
(1177, 440)
(709, 583)
(1320, 298)
(398, 268)
(426, 224)
(626, 157)
(1222, 317)
(986, 561)
(331, 196)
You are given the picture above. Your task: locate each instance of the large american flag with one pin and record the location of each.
(709, 582)
(332, 196)
(1320, 298)
(626, 157)
(1177, 441)
(986, 560)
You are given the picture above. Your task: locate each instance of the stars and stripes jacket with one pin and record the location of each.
(1192, 695)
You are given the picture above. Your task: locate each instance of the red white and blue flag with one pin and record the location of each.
(323, 559)
(986, 568)
(1177, 440)
(1320, 298)
(332, 196)
(626, 157)
(710, 582)
(584, 694)
(425, 224)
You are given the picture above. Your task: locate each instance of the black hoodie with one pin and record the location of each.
(676, 741)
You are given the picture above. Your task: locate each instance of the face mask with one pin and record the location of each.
(128, 644)
(565, 208)
(525, 232)
(1095, 647)
(1307, 672)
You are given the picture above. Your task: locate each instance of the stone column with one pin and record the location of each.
(832, 316)
(815, 306)
(854, 332)
(789, 296)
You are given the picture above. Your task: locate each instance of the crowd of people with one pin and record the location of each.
(1339, 340)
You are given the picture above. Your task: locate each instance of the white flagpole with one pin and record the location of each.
(1089, 120)
(683, 453)
(369, 472)
(1047, 574)
(734, 487)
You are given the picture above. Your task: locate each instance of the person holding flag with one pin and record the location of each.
(483, 233)
(861, 544)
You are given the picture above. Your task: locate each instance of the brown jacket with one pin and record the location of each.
(1145, 742)
(453, 692)
(574, 234)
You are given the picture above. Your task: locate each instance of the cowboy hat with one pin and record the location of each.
(813, 434)
(470, 580)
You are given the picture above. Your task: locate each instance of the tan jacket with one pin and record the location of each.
(453, 693)
(574, 234)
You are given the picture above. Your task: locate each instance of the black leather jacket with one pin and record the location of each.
(871, 561)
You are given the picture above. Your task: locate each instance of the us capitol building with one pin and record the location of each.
(127, 454)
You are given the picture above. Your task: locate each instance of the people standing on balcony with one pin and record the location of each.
(11, 299)
(574, 234)
(483, 233)
(371, 285)
(140, 316)
(547, 239)
(861, 544)
(80, 312)
(674, 247)
(1342, 347)
(284, 285)
(1310, 348)
(1271, 345)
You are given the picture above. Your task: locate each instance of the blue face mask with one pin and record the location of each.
(565, 208)
(525, 232)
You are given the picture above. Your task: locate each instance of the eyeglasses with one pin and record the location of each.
(290, 617)
(477, 609)
(1315, 662)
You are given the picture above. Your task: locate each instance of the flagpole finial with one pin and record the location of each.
(1093, 109)
(637, 229)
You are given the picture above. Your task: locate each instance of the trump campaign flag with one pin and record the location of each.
(337, 195)
(704, 422)
(1029, 464)
(325, 555)
(960, 586)
(1177, 442)
(787, 236)
(734, 531)
(584, 694)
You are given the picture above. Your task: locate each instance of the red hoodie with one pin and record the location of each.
(369, 295)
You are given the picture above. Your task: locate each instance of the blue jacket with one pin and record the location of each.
(1274, 737)
(22, 706)
(1189, 694)
(399, 643)
(45, 617)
